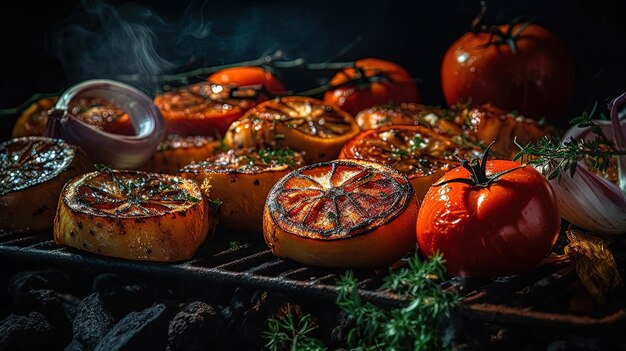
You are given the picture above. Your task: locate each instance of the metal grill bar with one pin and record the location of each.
(524, 298)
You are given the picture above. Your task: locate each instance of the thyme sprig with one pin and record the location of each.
(553, 156)
(415, 326)
(292, 333)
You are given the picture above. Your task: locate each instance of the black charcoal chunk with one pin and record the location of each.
(195, 327)
(145, 330)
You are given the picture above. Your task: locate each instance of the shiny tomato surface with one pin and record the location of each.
(536, 80)
(376, 82)
(504, 228)
(248, 76)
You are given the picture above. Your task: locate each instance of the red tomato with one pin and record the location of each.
(505, 227)
(396, 86)
(536, 80)
(248, 76)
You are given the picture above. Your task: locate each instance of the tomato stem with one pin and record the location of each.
(477, 169)
(497, 36)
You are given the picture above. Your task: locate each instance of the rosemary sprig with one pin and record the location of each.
(553, 156)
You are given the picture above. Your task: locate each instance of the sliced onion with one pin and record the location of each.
(118, 151)
(588, 200)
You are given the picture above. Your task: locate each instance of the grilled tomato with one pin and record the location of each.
(415, 151)
(486, 123)
(408, 114)
(134, 215)
(342, 213)
(32, 172)
(204, 108)
(96, 112)
(489, 218)
(295, 122)
(248, 76)
(241, 180)
(176, 152)
(371, 82)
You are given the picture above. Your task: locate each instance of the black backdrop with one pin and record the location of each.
(413, 33)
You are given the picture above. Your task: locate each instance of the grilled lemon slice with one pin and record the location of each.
(342, 213)
(133, 215)
(297, 122)
(32, 172)
(241, 180)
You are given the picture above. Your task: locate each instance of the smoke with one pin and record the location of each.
(135, 44)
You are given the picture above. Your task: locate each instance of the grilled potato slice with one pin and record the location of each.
(297, 122)
(32, 172)
(342, 213)
(134, 215)
(241, 180)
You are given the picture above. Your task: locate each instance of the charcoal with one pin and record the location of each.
(75, 345)
(51, 305)
(122, 300)
(51, 279)
(233, 313)
(106, 281)
(32, 332)
(93, 320)
(195, 327)
(145, 330)
(255, 319)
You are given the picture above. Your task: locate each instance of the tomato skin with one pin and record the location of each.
(505, 228)
(246, 76)
(353, 98)
(537, 80)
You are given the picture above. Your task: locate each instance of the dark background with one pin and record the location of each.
(47, 46)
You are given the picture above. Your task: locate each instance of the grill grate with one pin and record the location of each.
(536, 297)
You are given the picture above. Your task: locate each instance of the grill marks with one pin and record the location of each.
(337, 199)
(132, 194)
(25, 162)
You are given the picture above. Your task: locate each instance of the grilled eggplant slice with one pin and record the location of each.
(32, 172)
(241, 180)
(134, 215)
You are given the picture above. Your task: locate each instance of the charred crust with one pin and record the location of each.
(256, 182)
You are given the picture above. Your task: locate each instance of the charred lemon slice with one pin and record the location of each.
(204, 108)
(133, 215)
(241, 180)
(417, 152)
(440, 120)
(297, 122)
(32, 172)
(342, 213)
(176, 152)
(96, 112)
